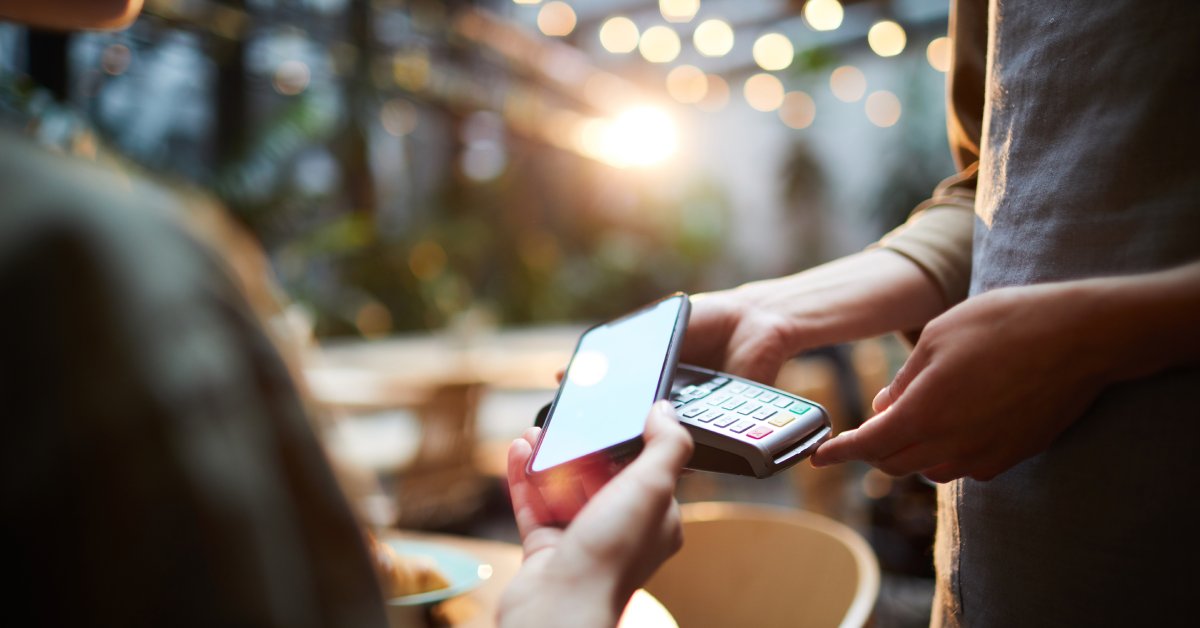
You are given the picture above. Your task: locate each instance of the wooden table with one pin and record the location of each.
(477, 608)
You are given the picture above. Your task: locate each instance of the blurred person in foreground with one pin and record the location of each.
(159, 468)
(1054, 283)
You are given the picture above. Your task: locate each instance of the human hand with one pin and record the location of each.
(734, 331)
(991, 382)
(614, 543)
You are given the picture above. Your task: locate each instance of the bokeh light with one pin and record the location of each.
(716, 96)
(883, 108)
(678, 10)
(940, 54)
(659, 44)
(773, 51)
(291, 77)
(687, 84)
(798, 110)
(619, 35)
(115, 59)
(527, 1)
(848, 83)
(823, 15)
(640, 137)
(887, 38)
(556, 19)
(399, 117)
(713, 38)
(764, 92)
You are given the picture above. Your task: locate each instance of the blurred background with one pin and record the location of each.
(448, 192)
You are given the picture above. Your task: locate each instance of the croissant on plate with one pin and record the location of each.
(405, 575)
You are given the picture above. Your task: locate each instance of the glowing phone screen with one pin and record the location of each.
(609, 385)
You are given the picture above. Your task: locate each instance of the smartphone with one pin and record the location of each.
(619, 369)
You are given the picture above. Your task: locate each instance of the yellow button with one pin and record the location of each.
(781, 420)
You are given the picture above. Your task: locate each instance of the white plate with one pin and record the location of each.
(464, 571)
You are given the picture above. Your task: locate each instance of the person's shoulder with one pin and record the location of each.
(55, 195)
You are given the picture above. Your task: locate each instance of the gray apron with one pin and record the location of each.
(1089, 167)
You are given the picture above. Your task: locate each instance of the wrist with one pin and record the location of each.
(543, 595)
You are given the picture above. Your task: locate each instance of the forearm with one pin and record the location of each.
(862, 295)
(1139, 325)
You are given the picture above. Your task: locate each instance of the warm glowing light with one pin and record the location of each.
(713, 38)
(291, 77)
(659, 44)
(373, 320)
(716, 96)
(798, 110)
(764, 92)
(823, 15)
(427, 260)
(619, 35)
(883, 108)
(399, 117)
(887, 38)
(604, 90)
(687, 83)
(773, 52)
(678, 10)
(940, 54)
(556, 19)
(526, 1)
(848, 83)
(640, 137)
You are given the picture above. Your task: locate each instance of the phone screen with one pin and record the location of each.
(610, 385)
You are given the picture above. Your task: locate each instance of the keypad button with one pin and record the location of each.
(783, 402)
(677, 404)
(800, 408)
(709, 416)
(781, 420)
(725, 421)
(767, 397)
(742, 426)
(717, 382)
(759, 432)
(732, 404)
(717, 400)
(762, 414)
(695, 392)
(693, 411)
(752, 392)
(737, 387)
(750, 408)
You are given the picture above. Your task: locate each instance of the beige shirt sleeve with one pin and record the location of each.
(938, 233)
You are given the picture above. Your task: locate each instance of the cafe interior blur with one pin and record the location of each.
(448, 193)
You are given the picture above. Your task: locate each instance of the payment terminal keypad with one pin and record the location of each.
(743, 427)
(748, 412)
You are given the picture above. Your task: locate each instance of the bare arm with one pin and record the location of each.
(753, 329)
(1048, 351)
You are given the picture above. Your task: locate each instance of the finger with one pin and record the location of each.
(914, 459)
(641, 493)
(564, 498)
(879, 437)
(882, 399)
(908, 371)
(944, 473)
(529, 510)
(560, 374)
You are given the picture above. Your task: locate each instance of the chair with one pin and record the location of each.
(763, 566)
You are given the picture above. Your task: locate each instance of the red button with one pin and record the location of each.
(758, 432)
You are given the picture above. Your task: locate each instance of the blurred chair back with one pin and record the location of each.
(763, 566)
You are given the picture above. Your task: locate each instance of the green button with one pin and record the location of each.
(800, 408)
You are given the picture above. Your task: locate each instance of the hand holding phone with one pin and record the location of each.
(618, 371)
